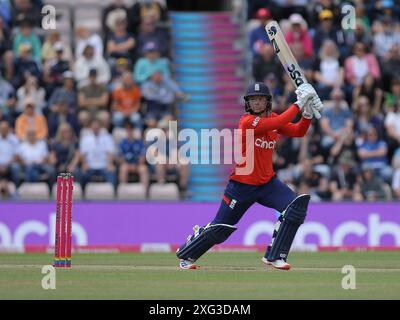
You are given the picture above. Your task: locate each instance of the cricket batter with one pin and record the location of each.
(261, 185)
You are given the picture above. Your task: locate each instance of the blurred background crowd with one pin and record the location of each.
(353, 152)
(83, 104)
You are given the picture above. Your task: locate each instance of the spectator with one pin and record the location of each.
(52, 45)
(151, 61)
(132, 158)
(93, 101)
(325, 5)
(164, 166)
(359, 34)
(392, 126)
(327, 31)
(328, 70)
(336, 118)
(372, 187)
(305, 63)
(391, 66)
(385, 37)
(373, 152)
(33, 156)
(308, 175)
(273, 83)
(345, 181)
(345, 145)
(366, 116)
(126, 102)
(24, 65)
(298, 34)
(7, 96)
(88, 61)
(64, 152)
(323, 191)
(310, 148)
(284, 8)
(5, 12)
(159, 93)
(31, 120)
(21, 9)
(8, 146)
(362, 15)
(6, 48)
(149, 8)
(54, 68)
(360, 64)
(388, 8)
(372, 91)
(266, 62)
(122, 65)
(84, 38)
(117, 8)
(31, 89)
(286, 155)
(392, 97)
(66, 94)
(120, 43)
(97, 154)
(5, 118)
(5, 38)
(148, 32)
(258, 37)
(26, 35)
(62, 115)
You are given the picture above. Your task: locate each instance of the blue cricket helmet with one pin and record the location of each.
(257, 89)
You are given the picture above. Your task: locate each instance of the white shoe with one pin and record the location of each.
(277, 264)
(187, 265)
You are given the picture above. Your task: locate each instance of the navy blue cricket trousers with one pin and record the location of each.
(238, 197)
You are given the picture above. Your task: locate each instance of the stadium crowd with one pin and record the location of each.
(353, 152)
(83, 106)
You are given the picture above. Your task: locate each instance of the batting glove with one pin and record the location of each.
(304, 92)
(307, 111)
(316, 106)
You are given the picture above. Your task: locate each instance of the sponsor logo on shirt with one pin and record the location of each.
(255, 121)
(265, 144)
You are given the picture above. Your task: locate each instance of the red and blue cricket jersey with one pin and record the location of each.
(266, 131)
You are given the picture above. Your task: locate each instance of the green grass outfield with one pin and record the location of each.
(222, 275)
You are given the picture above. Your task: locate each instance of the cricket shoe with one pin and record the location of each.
(277, 264)
(187, 265)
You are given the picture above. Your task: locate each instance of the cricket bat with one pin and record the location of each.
(286, 57)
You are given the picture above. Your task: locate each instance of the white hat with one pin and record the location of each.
(68, 74)
(58, 46)
(296, 18)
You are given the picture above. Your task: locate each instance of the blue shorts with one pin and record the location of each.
(238, 197)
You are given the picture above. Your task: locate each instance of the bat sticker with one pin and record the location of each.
(272, 31)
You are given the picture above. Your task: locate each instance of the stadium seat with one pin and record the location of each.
(131, 191)
(77, 191)
(88, 14)
(99, 191)
(34, 191)
(11, 187)
(167, 191)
